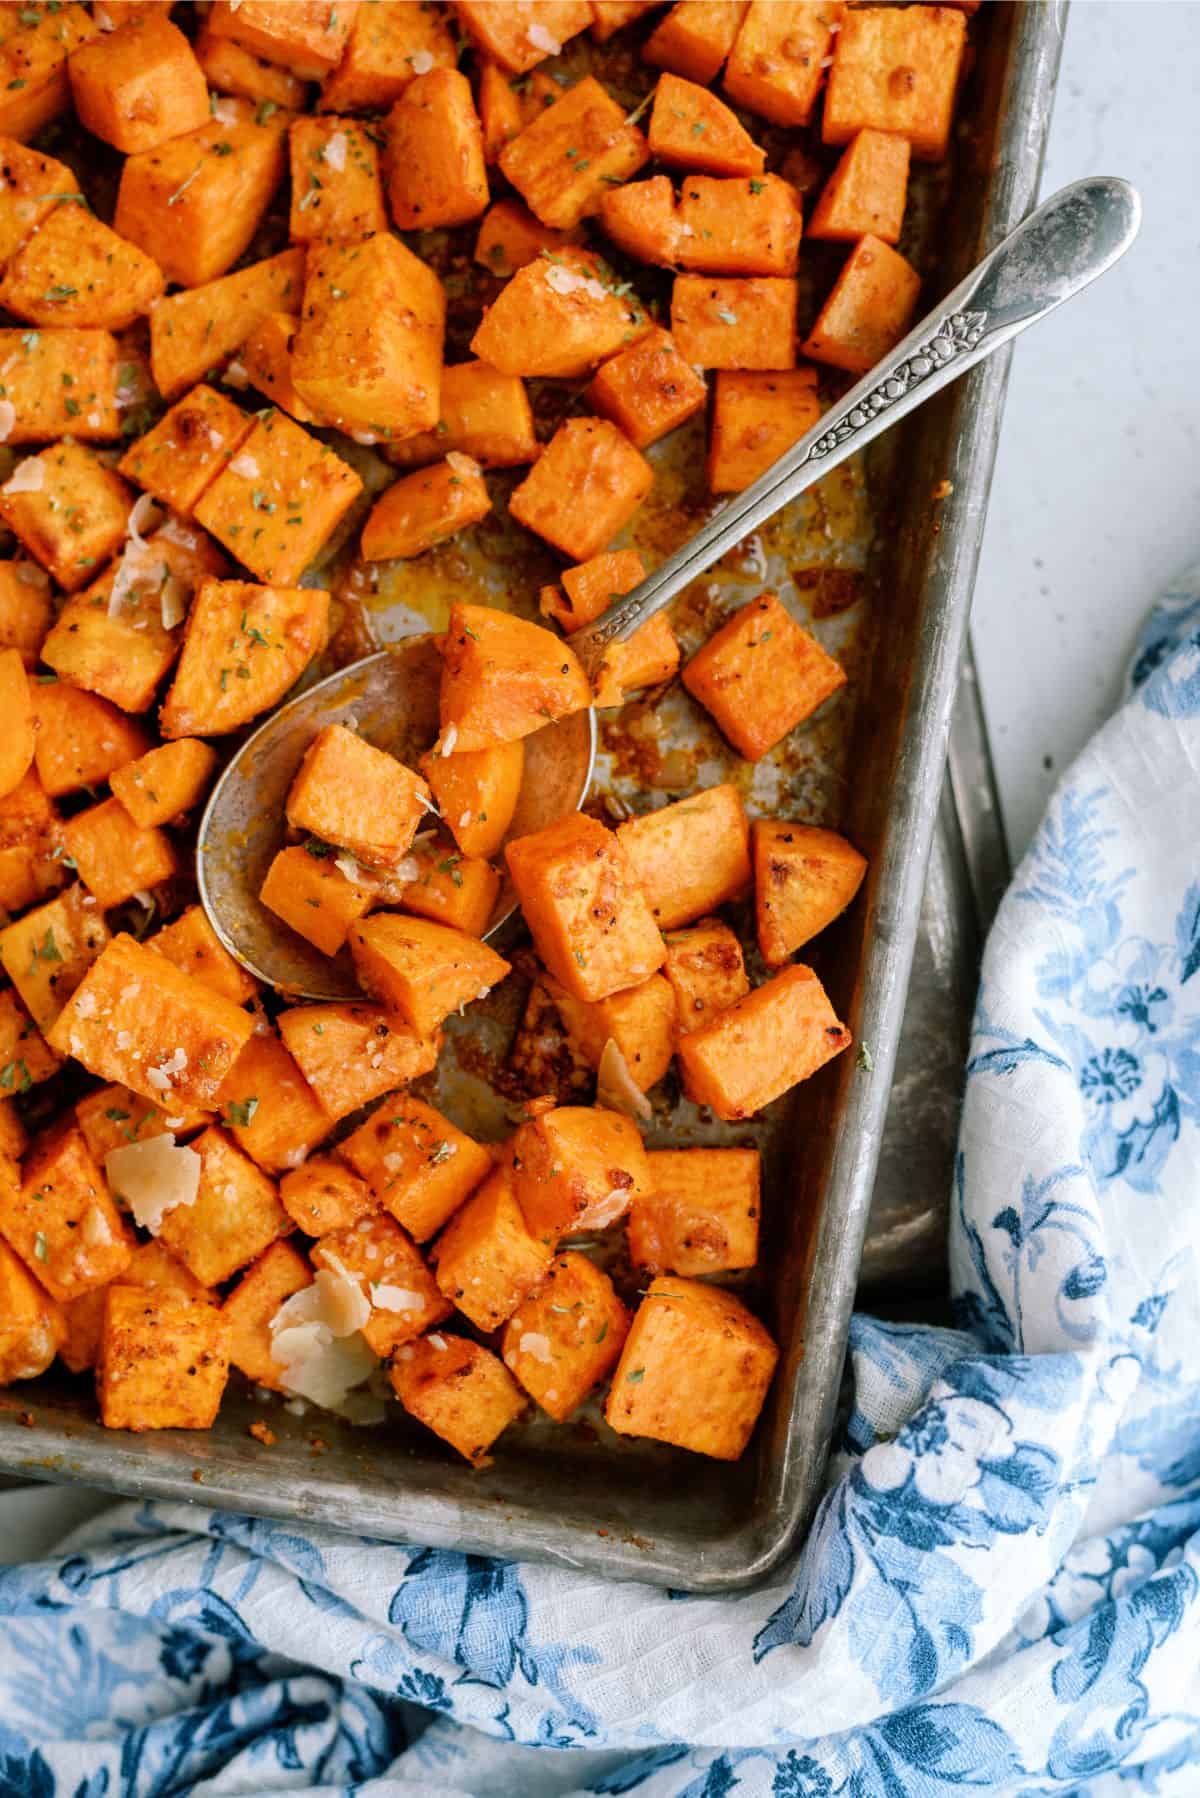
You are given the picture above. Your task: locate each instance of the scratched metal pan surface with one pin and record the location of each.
(880, 562)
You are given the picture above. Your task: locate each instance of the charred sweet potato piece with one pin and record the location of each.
(564, 160)
(757, 416)
(868, 311)
(896, 69)
(517, 34)
(695, 38)
(691, 129)
(565, 1336)
(706, 972)
(779, 1034)
(417, 1163)
(560, 315)
(866, 193)
(306, 36)
(485, 416)
(690, 857)
(388, 46)
(60, 383)
(758, 698)
(803, 879)
(780, 56)
(647, 390)
(47, 952)
(166, 783)
(164, 1360)
(68, 508)
(720, 322)
(62, 1220)
(503, 678)
(337, 190)
(425, 507)
(348, 792)
(584, 488)
(476, 792)
(486, 1259)
(421, 970)
(311, 894)
(434, 163)
(702, 1216)
(194, 332)
(577, 1168)
(139, 85)
(272, 633)
(351, 1053)
(457, 1389)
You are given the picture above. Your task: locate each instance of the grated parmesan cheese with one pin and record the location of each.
(28, 476)
(153, 1177)
(533, 1343)
(569, 280)
(334, 152)
(161, 1076)
(244, 465)
(420, 62)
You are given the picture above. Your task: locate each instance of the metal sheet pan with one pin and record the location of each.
(579, 1496)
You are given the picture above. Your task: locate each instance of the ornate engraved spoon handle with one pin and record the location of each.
(1058, 251)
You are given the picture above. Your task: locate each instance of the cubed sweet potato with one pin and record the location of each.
(565, 1336)
(35, 42)
(26, 1058)
(279, 1273)
(60, 383)
(803, 879)
(758, 698)
(47, 952)
(650, 657)
(387, 47)
(868, 311)
(231, 70)
(311, 894)
(611, 16)
(560, 315)
(150, 1266)
(640, 1021)
(896, 69)
(392, 1276)
(564, 160)
(694, 1370)
(433, 161)
(269, 1108)
(647, 390)
(724, 322)
(518, 34)
(476, 792)
(32, 1325)
(779, 1034)
(337, 191)
(138, 1019)
(503, 678)
(347, 792)
(13, 1140)
(424, 508)
(188, 447)
(457, 1389)
(780, 56)
(191, 943)
(691, 856)
(577, 1168)
(113, 1116)
(33, 185)
(245, 646)
(62, 1221)
(590, 587)
(499, 109)
(306, 36)
(16, 708)
(456, 889)
(702, 1216)
(866, 193)
(81, 739)
(25, 612)
(756, 417)
(31, 863)
(324, 1195)
(166, 783)
(164, 1360)
(139, 85)
(486, 1260)
(417, 1163)
(705, 969)
(68, 508)
(236, 1216)
(266, 356)
(695, 38)
(584, 488)
(422, 970)
(117, 858)
(351, 1053)
(691, 129)
(642, 219)
(75, 271)
(485, 415)
(195, 332)
(739, 227)
(510, 237)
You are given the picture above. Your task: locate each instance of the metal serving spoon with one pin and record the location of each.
(392, 697)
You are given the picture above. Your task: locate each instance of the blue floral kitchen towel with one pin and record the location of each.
(1001, 1592)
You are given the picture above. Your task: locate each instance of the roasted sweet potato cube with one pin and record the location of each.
(560, 315)
(139, 85)
(426, 507)
(13, 1140)
(391, 1274)
(75, 271)
(337, 191)
(485, 415)
(566, 158)
(33, 185)
(30, 845)
(115, 857)
(187, 448)
(25, 611)
(35, 43)
(510, 237)
(245, 646)
(651, 656)
(387, 47)
(896, 69)
(577, 1168)
(269, 1108)
(16, 708)
(642, 219)
(69, 509)
(518, 34)
(456, 889)
(803, 879)
(164, 1360)
(691, 129)
(325, 1195)
(165, 783)
(192, 333)
(756, 417)
(236, 1216)
(457, 1389)
(706, 972)
(81, 738)
(476, 792)
(780, 57)
(486, 1259)
(32, 1325)
(647, 390)
(193, 945)
(499, 109)
(584, 488)
(26, 1058)
(150, 1265)
(694, 1370)
(640, 1021)
(279, 1272)
(417, 1163)
(266, 357)
(62, 1221)
(723, 322)
(866, 193)
(588, 917)
(503, 678)
(758, 698)
(590, 587)
(868, 311)
(422, 970)
(306, 36)
(702, 1216)
(566, 1335)
(350, 1053)
(348, 792)
(47, 952)
(695, 38)
(691, 856)
(60, 383)
(368, 355)
(433, 161)
(311, 894)
(114, 1116)
(779, 1034)
(231, 70)
(739, 227)
(139, 1019)
(611, 16)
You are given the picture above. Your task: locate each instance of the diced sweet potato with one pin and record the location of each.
(560, 315)
(16, 708)
(588, 589)
(577, 1168)
(803, 879)
(585, 487)
(195, 332)
(691, 856)
(510, 237)
(485, 415)
(391, 1275)
(386, 48)
(866, 193)
(62, 1221)
(231, 70)
(269, 1108)
(650, 657)
(187, 448)
(641, 219)
(434, 163)
(758, 698)
(32, 1325)
(150, 1266)
(13, 1141)
(26, 1058)
(705, 969)
(518, 34)
(588, 917)
(739, 227)
(896, 69)
(476, 792)
(193, 945)
(499, 109)
(779, 1034)
(691, 129)
(695, 38)
(25, 611)
(137, 1018)
(139, 85)
(30, 845)
(350, 1053)
(325, 1195)
(115, 857)
(279, 1272)
(337, 191)
(486, 1260)
(780, 56)
(266, 357)
(457, 1389)
(245, 646)
(368, 355)
(694, 1370)
(756, 417)
(348, 792)
(731, 323)
(702, 1216)
(69, 510)
(314, 896)
(236, 1216)
(35, 43)
(164, 1360)
(566, 1335)
(33, 185)
(563, 161)
(166, 783)
(868, 311)
(113, 1116)
(456, 889)
(640, 1021)
(59, 383)
(81, 738)
(422, 970)
(611, 16)
(47, 952)
(417, 1163)
(306, 36)
(75, 271)
(426, 507)
(647, 390)
(503, 678)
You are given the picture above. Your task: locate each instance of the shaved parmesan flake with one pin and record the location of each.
(449, 739)
(616, 1087)
(143, 517)
(236, 375)
(460, 464)
(315, 1340)
(28, 476)
(225, 111)
(174, 598)
(244, 465)
(8, 418)
(95, 1229)
(395, 1298)
(153, 1177)
(420, 62)
(569, 280)
(542, 39)
(162, 1076)
(534, 1343)
(335, 151)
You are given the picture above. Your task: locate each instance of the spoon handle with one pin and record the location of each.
(1054, 254)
